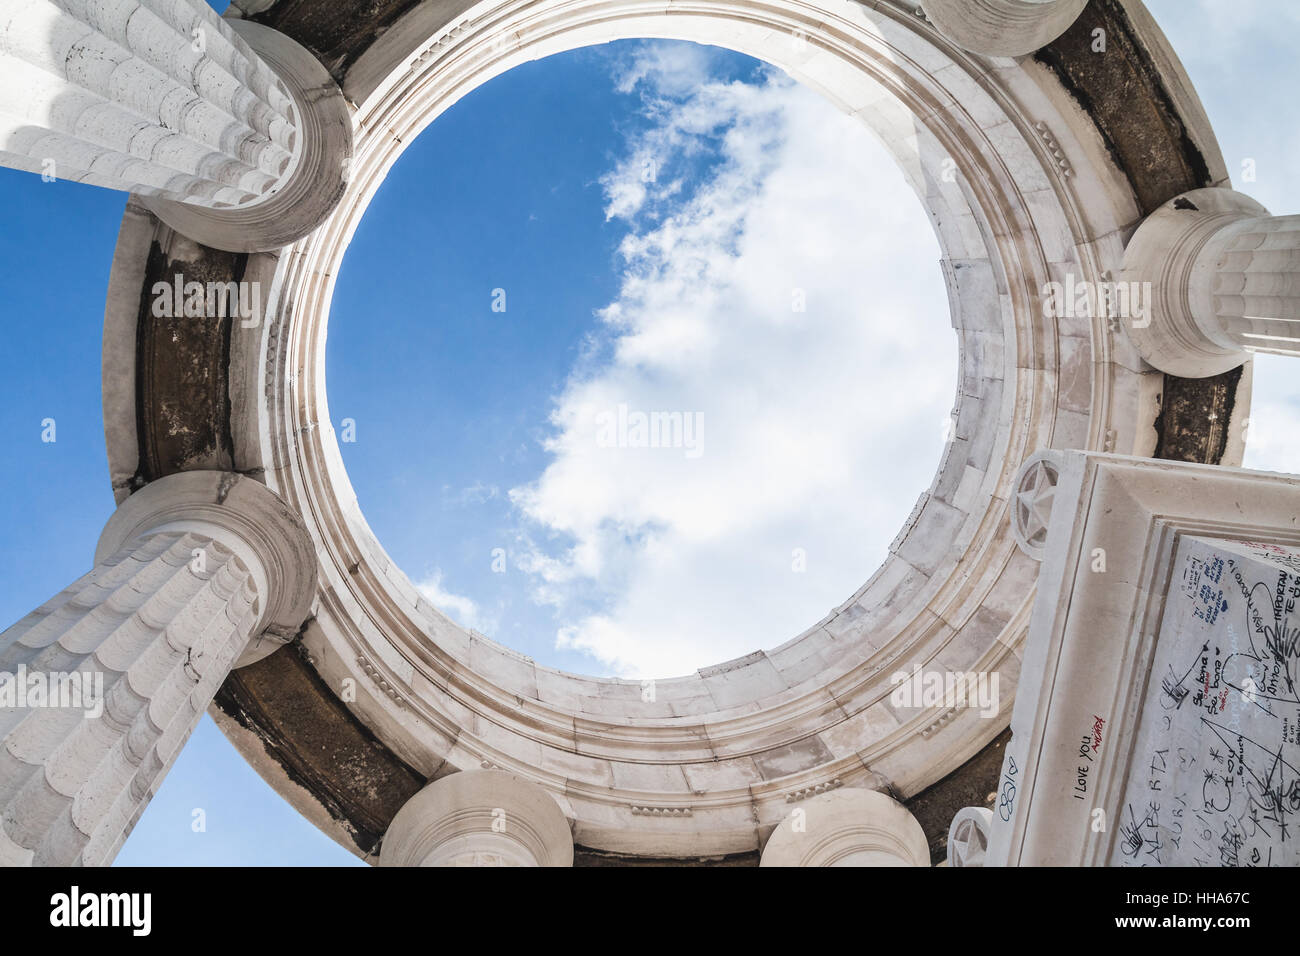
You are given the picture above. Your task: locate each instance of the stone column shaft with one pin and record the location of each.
(155, 637)
(1002, 27)
(230, 132)
(156, 97)
(1225, 282)
(101, 686)
(1247, 280)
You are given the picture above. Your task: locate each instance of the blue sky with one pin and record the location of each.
(672, 291)
(470, 423)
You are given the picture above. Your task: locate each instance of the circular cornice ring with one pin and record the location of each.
(1022, 192)
(953, 594)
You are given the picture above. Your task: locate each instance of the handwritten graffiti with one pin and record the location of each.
(1214, 780)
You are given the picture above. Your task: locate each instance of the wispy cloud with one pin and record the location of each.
(465, 611)
(475, 494)
(1272, 440)
(786, 293)
(665, 69)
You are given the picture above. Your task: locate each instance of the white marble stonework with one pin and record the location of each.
(167, 100)
(1215, 779)
(479, 818)
(193, 574)
(235, 137)
(1002, 27)
(82, 80)
(1156, 703)
(1225, 280)
(850, 827)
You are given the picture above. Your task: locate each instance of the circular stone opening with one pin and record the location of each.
(641, 357)
(735, 742)
(1021, 191)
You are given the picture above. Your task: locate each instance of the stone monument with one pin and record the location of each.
(253, 143)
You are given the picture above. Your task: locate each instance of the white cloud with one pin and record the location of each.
(475, 494)
(1223, 31)
(667, 69)
(819, 426)
(1272, 440)
(463, 610)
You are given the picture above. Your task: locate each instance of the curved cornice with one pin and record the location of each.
(1038, 193)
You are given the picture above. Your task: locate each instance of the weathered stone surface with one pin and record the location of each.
(1127, 97)
(318, 744)
(182, 370)
(974, 784)
(585, 857)
(474, 713)
(337, 32)
(1195, 417)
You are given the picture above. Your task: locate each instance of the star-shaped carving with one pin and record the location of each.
(970, 844)
(968, 838)
(1034, 502)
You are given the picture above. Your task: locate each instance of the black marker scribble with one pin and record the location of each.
(1272, 785)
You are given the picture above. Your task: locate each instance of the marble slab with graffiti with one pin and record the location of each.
(1214, 778)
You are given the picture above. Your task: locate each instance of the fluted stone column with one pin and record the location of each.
(849, 827)
(233, 134)
(1002, 27)
(1224, 281)
(190, 575)
(479, 818)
